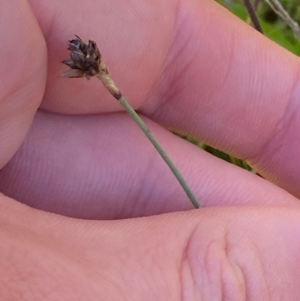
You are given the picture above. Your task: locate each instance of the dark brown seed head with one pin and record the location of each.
(84, 59)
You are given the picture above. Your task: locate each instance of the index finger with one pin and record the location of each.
(229, 86)
(191, 66)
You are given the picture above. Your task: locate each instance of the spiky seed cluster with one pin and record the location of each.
(85, 61)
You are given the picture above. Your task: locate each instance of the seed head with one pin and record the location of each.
(86, 61)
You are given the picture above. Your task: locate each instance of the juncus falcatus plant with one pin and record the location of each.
(86, 61)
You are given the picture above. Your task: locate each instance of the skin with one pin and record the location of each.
(186, 65)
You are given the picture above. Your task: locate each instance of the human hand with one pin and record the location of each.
(189, 66)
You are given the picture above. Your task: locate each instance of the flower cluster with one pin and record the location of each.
(85, 59)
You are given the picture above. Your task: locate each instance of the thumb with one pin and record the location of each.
(23, 74)
(207, 254)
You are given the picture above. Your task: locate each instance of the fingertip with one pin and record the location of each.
(23, 74)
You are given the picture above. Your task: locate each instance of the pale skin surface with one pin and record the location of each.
(187, 65)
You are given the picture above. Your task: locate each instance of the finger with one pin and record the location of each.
(22, 69)
(203, 254)
(105, 168)
(207, 73)
(232, 88)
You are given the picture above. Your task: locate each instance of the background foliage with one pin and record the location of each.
(273, 26)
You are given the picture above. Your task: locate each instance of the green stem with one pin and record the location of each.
(160, 150)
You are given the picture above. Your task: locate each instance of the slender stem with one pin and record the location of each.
(86, 61)
(253, 16)
(161, 151)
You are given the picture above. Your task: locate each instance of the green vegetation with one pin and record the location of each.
(273, 26)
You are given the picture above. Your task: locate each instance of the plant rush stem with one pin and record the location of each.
(161, 151)
(86, 61)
